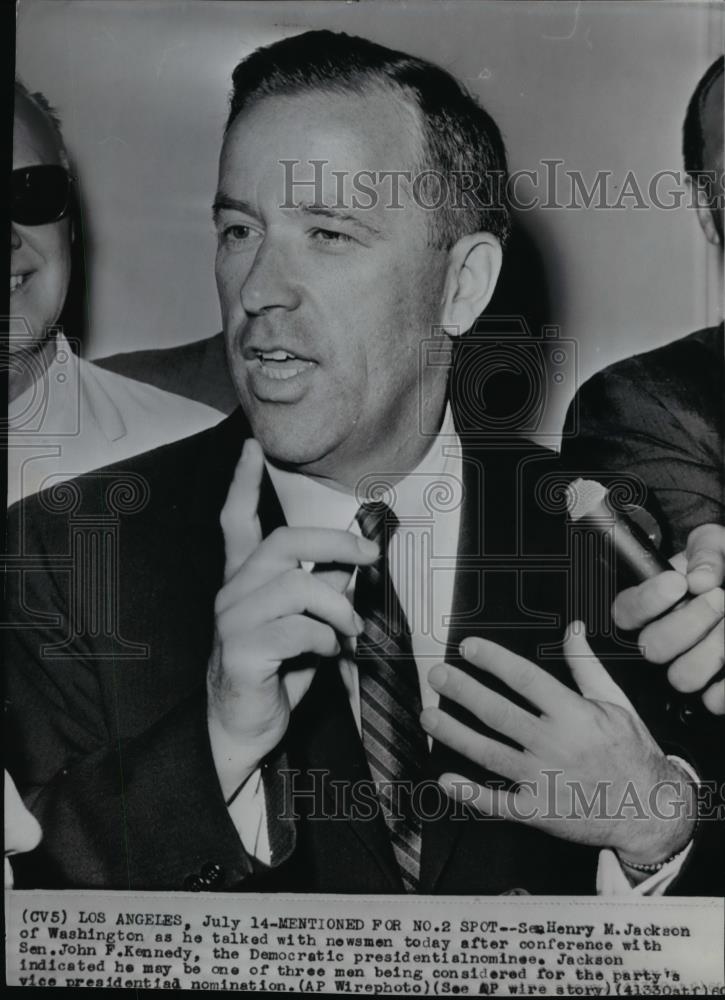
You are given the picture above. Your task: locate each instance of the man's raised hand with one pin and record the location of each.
(268, 612)
(585, 767)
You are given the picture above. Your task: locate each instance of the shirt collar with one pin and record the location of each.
(44, 404)
(69, 396)
(308, 502)
(98, 389)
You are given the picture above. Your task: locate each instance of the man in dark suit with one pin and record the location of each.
(660, 416)
(248, 704)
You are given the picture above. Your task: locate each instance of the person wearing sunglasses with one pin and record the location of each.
(66, 415)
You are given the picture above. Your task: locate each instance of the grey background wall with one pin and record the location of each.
(142, 87)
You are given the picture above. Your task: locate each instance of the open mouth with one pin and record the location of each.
(18, 280)
(281, 364)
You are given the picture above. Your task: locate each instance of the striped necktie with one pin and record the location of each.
(394, 741)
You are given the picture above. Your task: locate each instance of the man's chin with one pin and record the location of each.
(293, 450)
(299, 437)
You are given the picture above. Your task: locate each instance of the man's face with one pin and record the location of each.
(712, 154)
(40, 255)
(324, 311)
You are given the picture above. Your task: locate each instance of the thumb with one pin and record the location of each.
(705, 558)
(239, 518)
(589, 675)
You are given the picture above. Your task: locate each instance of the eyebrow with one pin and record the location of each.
(223, 201)
(339, 215)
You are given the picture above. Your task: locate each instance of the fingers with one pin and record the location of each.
(590, 676)
(285, 639)
(496, 711)
(298, 634)
(489, 801)
(539, 688)
(714, 698)
(320, 545)
(287, 547)
(334, 576)
(705, 553)
(692, 670)
(662, 641)
(638, 605)
(239, 519)
(479, 749)
(679, 563)
(295, 592)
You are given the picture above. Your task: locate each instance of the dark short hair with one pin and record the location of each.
(42, 103)
(461, 142)
(693, 141)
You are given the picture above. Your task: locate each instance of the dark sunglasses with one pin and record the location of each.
(39, 195)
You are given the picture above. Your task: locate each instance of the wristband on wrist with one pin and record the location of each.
(654, 868)
(657, 866)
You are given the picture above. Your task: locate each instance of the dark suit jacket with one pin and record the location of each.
(196, 371)
(660, 416)
(111, 591)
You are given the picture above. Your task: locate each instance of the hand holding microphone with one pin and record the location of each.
(677, 606)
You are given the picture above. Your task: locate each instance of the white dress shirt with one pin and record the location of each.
(76, 417)
(422, 563)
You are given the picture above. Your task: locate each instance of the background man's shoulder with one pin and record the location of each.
(188, 478)
(686, 362)
(195, 371)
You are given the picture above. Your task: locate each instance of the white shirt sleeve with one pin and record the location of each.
(611, 880)
(611, 877)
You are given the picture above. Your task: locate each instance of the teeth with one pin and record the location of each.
(281, 373)
(277, 364)
(16, 281)
(278, 355)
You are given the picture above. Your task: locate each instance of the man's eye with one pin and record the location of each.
(330, 236)
(236, 234)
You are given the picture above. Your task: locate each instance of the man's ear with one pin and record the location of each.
(706, 218)
(474, 264)
(705, 215)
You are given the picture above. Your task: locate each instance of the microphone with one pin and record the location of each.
(631, 535)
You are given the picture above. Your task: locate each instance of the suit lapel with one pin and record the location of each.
(208, 485)
(441, 834)
(480, 601)
(325, 740)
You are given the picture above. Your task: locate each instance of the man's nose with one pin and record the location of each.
(15, 240)
(271, 283)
